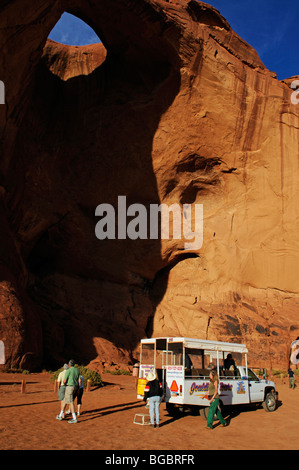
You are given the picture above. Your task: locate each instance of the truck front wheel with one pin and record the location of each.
(270, 403)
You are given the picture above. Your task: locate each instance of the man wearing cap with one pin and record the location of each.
(61, 388)
(71, 379)
(61, 375)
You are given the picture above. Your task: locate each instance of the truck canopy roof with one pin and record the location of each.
(192, 343)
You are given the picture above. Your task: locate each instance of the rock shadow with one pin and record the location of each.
(83, 142)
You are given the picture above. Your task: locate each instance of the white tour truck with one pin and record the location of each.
(182, 367)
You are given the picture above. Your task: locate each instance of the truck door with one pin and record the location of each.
(256, 387)
(166, 359)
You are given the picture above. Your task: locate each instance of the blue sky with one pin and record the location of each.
(270, 26)
(73, 31)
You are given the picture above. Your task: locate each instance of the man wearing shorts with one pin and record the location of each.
(71, 379)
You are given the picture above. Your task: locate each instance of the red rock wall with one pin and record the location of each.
(174, 107)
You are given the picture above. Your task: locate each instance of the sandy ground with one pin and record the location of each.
(28, 421)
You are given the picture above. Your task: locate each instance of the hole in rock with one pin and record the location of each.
(73, 48)
(72, 31)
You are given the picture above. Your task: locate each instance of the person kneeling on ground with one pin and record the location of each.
(153, 392)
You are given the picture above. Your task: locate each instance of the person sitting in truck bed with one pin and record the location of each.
(188, 362)
(229, 363)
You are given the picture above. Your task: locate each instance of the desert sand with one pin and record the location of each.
(28, 421)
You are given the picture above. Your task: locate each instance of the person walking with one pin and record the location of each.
(79, 393)
(291, 378)
(61, 388)
(71, 380)
(214, 401)
(152, 393)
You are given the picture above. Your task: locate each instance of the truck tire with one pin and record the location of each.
(173, 410)
(270, 403)
(204, 411)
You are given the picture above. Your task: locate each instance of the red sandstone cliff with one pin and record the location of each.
(174, 108)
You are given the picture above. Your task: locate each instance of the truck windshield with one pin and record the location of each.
(252, 376)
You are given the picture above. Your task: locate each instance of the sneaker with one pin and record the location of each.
(71, 421)
(208, 427)
(60, 417)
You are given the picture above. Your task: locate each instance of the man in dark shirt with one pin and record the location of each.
(291, 378)
(229, 362)
(153, 392)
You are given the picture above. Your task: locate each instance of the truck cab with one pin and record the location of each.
(183, 366)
